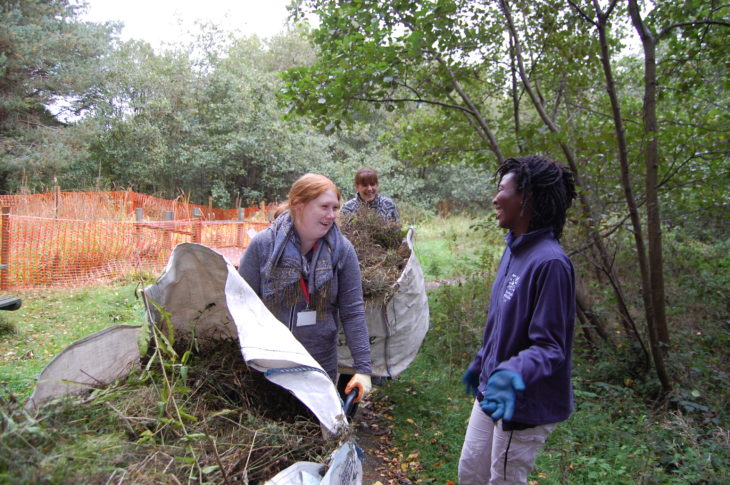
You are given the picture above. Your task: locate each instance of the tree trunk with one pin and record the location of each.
(593, 321)
(585, 326)
(623, 156)
(588, 212)
(515, 95)
(658, 334)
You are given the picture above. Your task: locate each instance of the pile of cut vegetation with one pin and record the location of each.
(381, 249)
(202, 418)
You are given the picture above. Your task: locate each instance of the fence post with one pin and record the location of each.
(134, 201)
(129, 200)
(167, 229)
(5, 247)
(240, 227)
(197, 225)
(56, 200)
(138, 218)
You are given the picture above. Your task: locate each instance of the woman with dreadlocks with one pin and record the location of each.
(521, 375)
(308, 275)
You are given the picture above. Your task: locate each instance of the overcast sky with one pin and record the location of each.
(166, 21)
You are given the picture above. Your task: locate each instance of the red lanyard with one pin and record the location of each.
(303, 284)
(304, 290)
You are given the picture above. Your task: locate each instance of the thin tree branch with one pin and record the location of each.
(412, 100)
(692, 23)
(492, 140)
(582, 13)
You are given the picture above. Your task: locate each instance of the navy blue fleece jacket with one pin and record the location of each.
(530, 326)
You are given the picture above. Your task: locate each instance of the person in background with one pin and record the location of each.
(521, 376)
(366, 186)
(308, 275)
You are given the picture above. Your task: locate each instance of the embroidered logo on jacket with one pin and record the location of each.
(511, 287)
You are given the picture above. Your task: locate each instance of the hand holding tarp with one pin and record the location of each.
(501, 394)
(361, 381)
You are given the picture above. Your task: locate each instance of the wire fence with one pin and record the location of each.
(68, 239)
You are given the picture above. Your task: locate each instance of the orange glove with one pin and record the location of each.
(363, 384)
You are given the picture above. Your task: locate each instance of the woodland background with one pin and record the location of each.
(633, 96)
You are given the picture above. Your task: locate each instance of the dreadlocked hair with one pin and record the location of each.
(547, 185)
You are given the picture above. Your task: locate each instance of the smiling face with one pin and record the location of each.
(316, 217)
(508, 203)
(367, 190)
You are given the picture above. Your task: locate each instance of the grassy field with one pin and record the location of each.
(457, 245)
(48, 321)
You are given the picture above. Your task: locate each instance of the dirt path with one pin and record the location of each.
(373, 435)
(430, 285)
(382, 464)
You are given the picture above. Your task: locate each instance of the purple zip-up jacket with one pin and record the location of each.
(530, 325)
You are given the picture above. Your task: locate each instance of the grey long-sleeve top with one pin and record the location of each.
(346, 302)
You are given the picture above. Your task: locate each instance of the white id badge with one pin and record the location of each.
(307, 317)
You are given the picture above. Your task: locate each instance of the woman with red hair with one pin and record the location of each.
(307, 274)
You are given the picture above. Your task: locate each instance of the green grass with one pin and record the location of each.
(48, 321)
(615, 436)
(456, 246)
(619, 433)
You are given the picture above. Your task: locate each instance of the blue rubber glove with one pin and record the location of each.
(470, 379)
(501, 393)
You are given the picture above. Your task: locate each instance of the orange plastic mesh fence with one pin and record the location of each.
(118, 205)
(44, 251)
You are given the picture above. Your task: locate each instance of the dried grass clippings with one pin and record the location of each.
(381, 249)
(213, 420)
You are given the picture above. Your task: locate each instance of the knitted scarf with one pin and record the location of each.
(285, 268)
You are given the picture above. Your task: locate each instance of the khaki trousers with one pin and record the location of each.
(482, 459)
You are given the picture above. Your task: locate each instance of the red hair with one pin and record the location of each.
(307, 188)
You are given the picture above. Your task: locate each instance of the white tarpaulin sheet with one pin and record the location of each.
(397, 327)
(92, 362)
(345, 468)
(202, 290)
